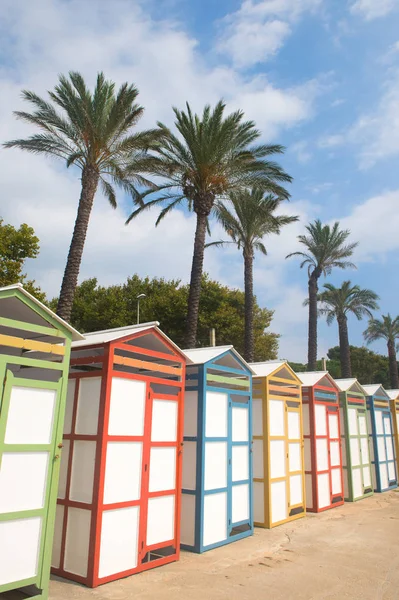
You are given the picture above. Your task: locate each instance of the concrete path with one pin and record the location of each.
(348, 552)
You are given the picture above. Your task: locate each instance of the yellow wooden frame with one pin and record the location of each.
(261, 391)
(394, 406)
(17, 342)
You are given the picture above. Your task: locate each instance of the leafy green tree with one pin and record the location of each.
(95, 132)
(248, 217)
(16, 246)
(367, 366)
(211, 156)
(332, 366)
(338, 303)
(96, 307)
(386, 329)
(325, 249)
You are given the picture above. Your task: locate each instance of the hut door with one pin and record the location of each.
(359, 452)
(334, 452)
(160, 481)
(28, 424)
(294, 459)
(386, 456)
(239, 466)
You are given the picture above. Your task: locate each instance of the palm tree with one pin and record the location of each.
(388, 330)
(326, 248)
(337, 303)
(211, 156)
(93, 131)
(247, 218)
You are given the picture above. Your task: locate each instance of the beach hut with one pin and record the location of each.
(217, 458)
(118, 507)
(383, 463)
(322, 439)
(279, 482)
(394, 405)
(355, 440)
(34, 362)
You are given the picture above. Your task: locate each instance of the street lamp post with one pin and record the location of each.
(139, 297)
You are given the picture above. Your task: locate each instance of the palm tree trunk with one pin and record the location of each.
(249, 306)
(90, 179)
(344, 349)
(393, 366)
(312, 332)
(195, 281)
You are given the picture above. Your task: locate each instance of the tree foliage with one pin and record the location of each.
(367, 366)
(97, 307)
(16, 246)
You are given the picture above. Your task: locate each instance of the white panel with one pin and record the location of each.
(259, 502)
(389, 446)
(307, 454)
(240, 503)
(57, 541)
(384, 476)
(190, 413)
(119, 541)
(63, 469)
(127, 407)
(322, 454)
(216, 405)
(343, 450)
(373, 476)
(362, 424)
(122, 472)
(352, 421)
(215, 465)
(162, 469)
(357, 483)
(306, 419)
(77, 541)
(336, 481)
(397, 420)
(161, 520)
(294, 426)
(19, 549)
(23, 478)
(296, 489)
(364, 445)
(378, 422)
(70, 397)
(279, 501)
(355, 451)
(258, 459)
(189, 466)
(309, 491)
(187, 529)
(277, 458)
(257, 417)
(276, 417)
(164, 420)
(240, 427)
(294, 457)
(335, 458)
(323, 488)
(82, 477)
(215, 518)
(333, 425)
(381, 449)
(30, 416)
(370, 427)
(366, 476)
(387, 425)
(320, 413)
(346, 483)
(88, 405)
(391, 471)
(240, 463)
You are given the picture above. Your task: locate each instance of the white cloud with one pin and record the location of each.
(330, 141)
(301, 151)
(373, 9)
(258, 29)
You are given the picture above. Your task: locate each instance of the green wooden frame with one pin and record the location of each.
(8, 380)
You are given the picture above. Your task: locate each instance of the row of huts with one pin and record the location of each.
(117, 448)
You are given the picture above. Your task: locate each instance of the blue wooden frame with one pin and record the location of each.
(199, 384)
(373, 409)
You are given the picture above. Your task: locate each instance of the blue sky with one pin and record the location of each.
(319, 76)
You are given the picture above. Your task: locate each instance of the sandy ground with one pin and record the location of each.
(347, 552)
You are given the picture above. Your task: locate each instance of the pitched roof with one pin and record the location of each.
(345, 384)
(200, 356)
(312, 377)
(18, 286)
(263, 369)
(393, 394)
(372, 389)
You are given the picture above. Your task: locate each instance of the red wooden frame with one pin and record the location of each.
(97, 507)
(309, 398)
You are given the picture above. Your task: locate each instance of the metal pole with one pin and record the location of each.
(138, 311)
(324, 364)
(212, 337)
